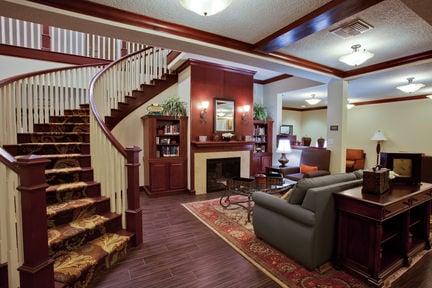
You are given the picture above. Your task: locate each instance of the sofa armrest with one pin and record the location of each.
(281, 206)
(318, 173)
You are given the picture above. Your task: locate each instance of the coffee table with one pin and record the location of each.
(246, 187)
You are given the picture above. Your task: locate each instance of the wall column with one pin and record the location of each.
(273, 103)
(337, 95)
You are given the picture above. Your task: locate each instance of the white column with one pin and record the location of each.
(337, 91)
(273, 103)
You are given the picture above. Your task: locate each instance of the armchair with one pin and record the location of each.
(355, 159)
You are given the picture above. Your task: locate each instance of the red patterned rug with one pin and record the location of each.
(232, 227)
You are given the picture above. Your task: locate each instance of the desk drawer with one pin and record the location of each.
(418, 199)
(396, 208)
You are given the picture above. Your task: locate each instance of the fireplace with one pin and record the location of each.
(219, 170)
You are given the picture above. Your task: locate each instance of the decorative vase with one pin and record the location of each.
(306, 141)
(321, 142)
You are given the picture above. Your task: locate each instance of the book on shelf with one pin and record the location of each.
(169, 151)
(171, 129)
(259, 131)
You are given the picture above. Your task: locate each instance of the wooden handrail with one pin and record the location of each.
(93, 107)
(8, 160)
(30, 74)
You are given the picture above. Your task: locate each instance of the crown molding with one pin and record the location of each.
(304, 109)
(193, 62)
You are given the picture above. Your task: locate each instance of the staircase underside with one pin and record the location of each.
(138, 98)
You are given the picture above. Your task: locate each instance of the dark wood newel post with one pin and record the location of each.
(46, 38)
(134, 211)
(37, 269)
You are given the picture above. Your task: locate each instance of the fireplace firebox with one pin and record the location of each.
(219, 170)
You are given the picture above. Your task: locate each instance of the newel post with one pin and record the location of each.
(46, 38)
(134, 210)
(37, 269)
(124, 50)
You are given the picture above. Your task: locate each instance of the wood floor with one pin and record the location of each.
(179, 251)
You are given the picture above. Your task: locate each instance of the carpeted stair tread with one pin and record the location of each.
(58, 161)
(78, 266)
(53, 137)
(70, 119)
(62, 127)
(81, 111)
(66, 170)
(68, 236)
(49, 148)
(72, 191)
(55, 209)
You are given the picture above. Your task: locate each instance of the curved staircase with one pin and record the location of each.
(83, 235)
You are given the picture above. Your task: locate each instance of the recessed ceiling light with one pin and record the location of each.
(205, 7)
(357, 57)
(429, 96)
(304, 106)
(411, 87)
(313, 100)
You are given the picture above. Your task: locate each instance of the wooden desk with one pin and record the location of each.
(376, 235)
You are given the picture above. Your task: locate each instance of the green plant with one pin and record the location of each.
(173, 106)
(260, 112)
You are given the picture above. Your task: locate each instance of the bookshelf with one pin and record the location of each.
(165, 160)
(262, 152)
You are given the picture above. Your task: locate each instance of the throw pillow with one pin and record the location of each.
(306, 168)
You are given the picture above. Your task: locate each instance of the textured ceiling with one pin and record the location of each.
(379, 85)
(398, 32)
(245, 20)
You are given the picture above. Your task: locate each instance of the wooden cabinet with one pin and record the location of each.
(262, 153)
(378, 234)
(165, 160)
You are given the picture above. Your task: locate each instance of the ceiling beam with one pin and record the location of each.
(319, 19)
(272, 79)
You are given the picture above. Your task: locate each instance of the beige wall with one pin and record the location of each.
(407, 126)
(292, 118)
(314, 124)
(307, 123)
(130, 130)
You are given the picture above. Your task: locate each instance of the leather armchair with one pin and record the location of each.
(312, 157)
(355, 159)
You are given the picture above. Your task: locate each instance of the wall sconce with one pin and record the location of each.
(203, 106)
(245, 111)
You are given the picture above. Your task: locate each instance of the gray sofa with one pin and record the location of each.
(303, 226)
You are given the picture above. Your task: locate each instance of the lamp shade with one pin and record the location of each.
(284, 146)
(378, 136)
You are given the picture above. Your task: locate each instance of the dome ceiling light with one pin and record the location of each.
(205, 7)
(411, 87)
(313, 100)
(357, 57)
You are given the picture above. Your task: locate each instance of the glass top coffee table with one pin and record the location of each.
(247, 186)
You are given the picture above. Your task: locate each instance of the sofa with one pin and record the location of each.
(303, 226)
(311, 157)
(355, 159)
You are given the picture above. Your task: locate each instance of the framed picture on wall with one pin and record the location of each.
(286, 129)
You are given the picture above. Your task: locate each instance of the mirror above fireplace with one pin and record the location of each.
(224, 115)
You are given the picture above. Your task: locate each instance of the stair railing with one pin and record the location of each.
(23, 244)
(32, 98)
(116, 167)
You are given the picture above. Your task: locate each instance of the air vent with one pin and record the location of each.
(352, 29)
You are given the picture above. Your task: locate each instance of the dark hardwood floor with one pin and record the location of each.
(180, 251)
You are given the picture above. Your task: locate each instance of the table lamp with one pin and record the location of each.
(379, 137)
(283, 147)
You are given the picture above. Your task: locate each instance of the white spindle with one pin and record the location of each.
(11, 42)
(39, 36)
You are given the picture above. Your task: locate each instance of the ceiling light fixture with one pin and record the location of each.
(411, 87)
(357, 57)
(313, 100)
(205, 7)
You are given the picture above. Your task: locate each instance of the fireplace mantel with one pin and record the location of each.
(226, 145)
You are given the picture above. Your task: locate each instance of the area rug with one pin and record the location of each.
(232, 226)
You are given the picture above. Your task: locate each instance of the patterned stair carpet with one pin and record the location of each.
(232, 226)
(83, 235)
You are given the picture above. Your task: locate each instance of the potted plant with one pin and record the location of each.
(173, 106)
(260, 112)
